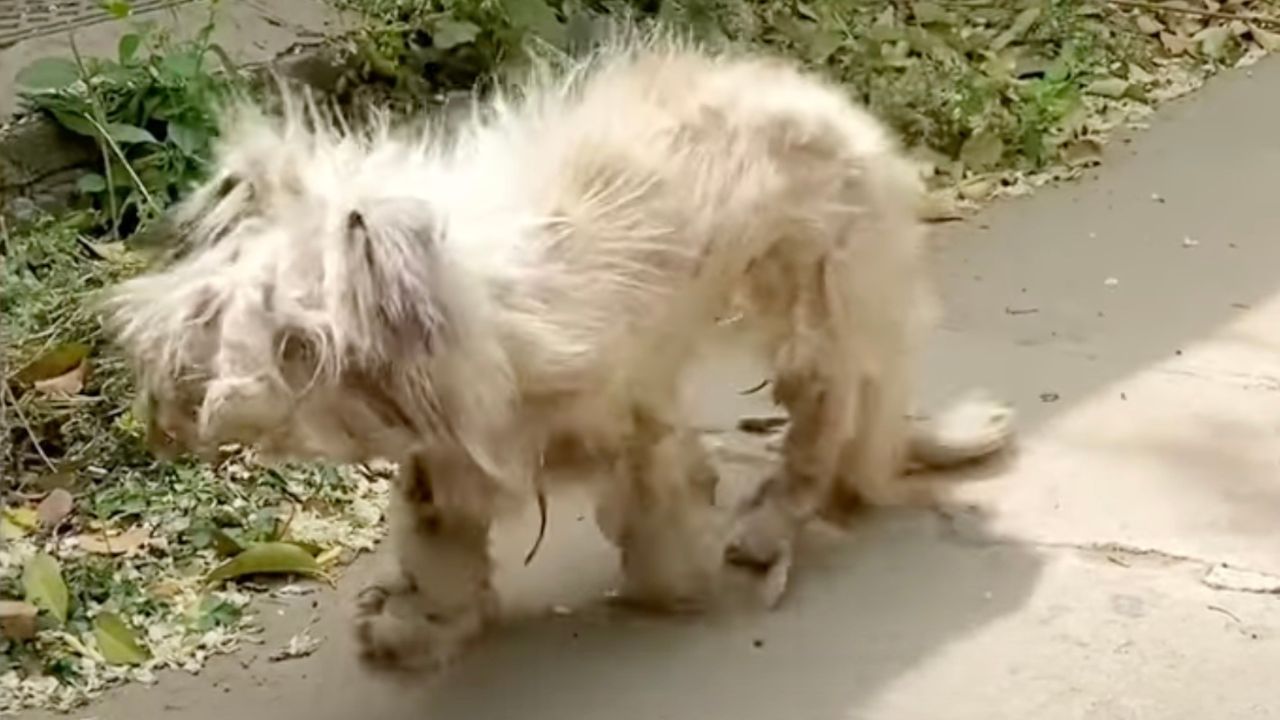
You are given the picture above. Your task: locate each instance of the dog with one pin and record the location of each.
(457, 301)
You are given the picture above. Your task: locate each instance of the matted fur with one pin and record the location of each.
(455, 302)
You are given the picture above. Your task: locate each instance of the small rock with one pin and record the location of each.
(1189, 242)
(1111, 282)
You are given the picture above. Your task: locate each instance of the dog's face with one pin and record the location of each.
(296, 311)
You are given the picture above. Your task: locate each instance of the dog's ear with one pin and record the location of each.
(392, 262)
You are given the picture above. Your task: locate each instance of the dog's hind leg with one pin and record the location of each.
(818, 388)
(659, 509)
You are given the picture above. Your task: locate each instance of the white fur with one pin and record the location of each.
(456, 302)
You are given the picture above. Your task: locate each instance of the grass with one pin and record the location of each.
(992, 97)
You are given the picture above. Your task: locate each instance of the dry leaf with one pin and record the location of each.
(940, 207)
(1085, 152)
(1112, 87)
(18, 619)
(1020, 25)
(1267, 40)
(1149, 25)
(1176, 44)
(126, 543)
(1213, 40)
(977, 189)
(67, 384)
(54, 508)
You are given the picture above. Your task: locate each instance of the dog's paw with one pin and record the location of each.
(763, 541)
(972, 429)
(395, 632)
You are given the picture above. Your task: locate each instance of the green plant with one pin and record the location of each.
(150, 110)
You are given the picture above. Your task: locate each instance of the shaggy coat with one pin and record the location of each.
(456, 301)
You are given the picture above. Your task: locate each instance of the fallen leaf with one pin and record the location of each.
(300, 645)
(1224, 577)
(18, 619)
(1176, 44)
(329, 556)
(117, 642)
(1020, 25)
(18, 522)
(269, 558)
(224, 544)
(1267, 40)
(43, 585)
(58, 361)
(977, 189)
(940, 207)
(54, 508)
(1139, 75)
(1085, 152)
(67, 384)
(1112, 87)
(929, 13)
(1213, 40)
(125, 543)
(982, 150)
(1149, 25)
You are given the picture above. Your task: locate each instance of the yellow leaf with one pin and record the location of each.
(117, 642)
(42, 582)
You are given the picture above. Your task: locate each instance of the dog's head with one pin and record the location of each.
(300, 307)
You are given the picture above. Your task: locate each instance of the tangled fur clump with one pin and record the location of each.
(456, 302)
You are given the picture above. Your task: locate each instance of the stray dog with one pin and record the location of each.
(456, 301)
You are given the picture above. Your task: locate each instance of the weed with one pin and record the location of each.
(151, 111)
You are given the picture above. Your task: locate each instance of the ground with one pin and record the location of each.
(1132, 320)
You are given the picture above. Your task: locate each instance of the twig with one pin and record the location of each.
(1226, 612)
(1161, 7)
(22, 417)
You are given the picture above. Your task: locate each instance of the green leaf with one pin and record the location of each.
(536, 16)
(128, 47)
(117, 642)
(268, 558)
(76, 123)
(214, 612)
(224, 544)
(43, 585)
(187, 139)
(58, 361)
(118, 9)
(49, 74)
(91, 183)
(183, 65)
(129, 134)
(450, 33)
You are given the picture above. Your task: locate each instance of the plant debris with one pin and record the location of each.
(110, 547)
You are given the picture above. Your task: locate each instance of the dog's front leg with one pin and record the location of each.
(440, 594)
